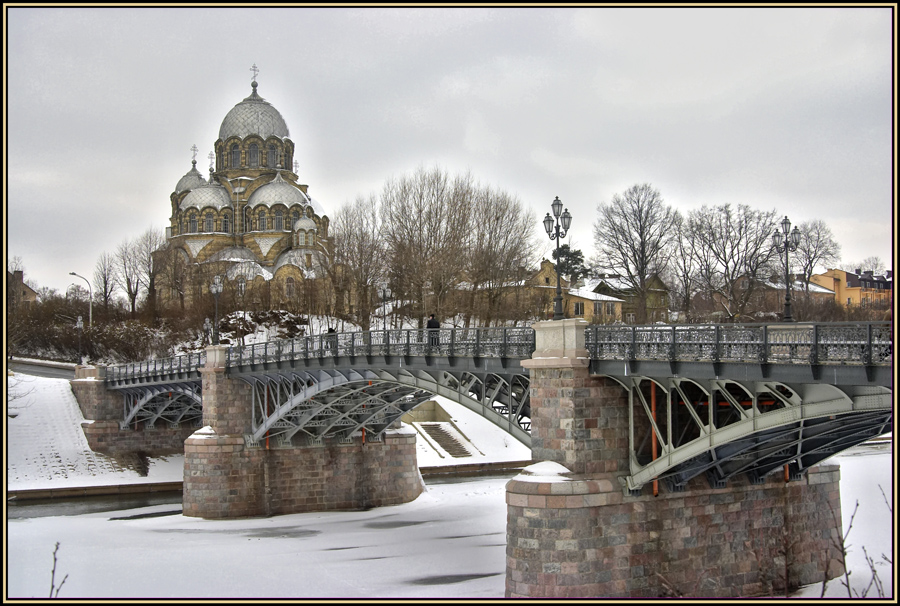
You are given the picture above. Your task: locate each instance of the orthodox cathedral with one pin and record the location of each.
(250, 222)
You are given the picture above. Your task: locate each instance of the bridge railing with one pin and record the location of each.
(459, 342)
(866, 343)
(857, 343)
(160, 366)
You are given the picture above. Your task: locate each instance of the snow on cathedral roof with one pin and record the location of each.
(253, 116)
(191, 180)
(278, 191)
(210, 194)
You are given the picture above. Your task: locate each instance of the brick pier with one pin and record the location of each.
(103, 409)
(224, 477)
(573, 531)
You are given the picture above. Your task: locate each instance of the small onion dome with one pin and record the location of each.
(191, 180)
(278, 191)
(293, 257)
(305, 224)
(253, 116)
(209, 194)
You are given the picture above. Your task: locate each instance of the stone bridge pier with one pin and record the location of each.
(103, 429)
(227, 477)
(573, 530)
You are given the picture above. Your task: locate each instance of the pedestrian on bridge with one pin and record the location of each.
(331, 341)
(433, 335)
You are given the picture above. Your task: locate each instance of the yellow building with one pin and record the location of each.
(594, 307)
(577, 301)
(858, 288)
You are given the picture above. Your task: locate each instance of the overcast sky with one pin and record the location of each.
(778, 108)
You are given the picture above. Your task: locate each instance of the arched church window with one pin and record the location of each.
(254, 156)
(208, 223)
(295, 216)
(289, 288)
(262, 220)
(279, 220)
(248, 220)
(235, 156)
(301, 238)
(270, 156)
(226, 223)
(193, 229)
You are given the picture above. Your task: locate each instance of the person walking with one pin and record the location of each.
(433, 335)
(331, 341)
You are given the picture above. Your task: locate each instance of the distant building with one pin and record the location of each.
(858, 288)
(579, 300)
(770, 295)
(17, 292)
(597, 308)
(250, 220)
(616, 286)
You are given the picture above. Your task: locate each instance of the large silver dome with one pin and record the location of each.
(253, 116)
(191, 180)
(210, 194)
(277, 191)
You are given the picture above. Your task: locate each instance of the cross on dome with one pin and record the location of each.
(211, 157)
(195, 150)
(255, 71)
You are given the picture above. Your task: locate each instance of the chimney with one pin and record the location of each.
(857, 271)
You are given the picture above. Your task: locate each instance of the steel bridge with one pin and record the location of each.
(719, 400)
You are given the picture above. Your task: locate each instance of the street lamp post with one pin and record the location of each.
(90, 299)
(216, 289)
(556, 233)
(385, 294)
(785, 243)
(242, 284)
(80, 326)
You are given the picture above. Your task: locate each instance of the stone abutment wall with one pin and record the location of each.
(573, 531)
(102, 410)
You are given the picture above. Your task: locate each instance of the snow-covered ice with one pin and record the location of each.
(448, 543)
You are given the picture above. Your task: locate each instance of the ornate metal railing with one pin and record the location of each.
(455, 342)
(161, 366)
(850, 343)
(864, 343)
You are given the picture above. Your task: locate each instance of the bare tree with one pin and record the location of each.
(501, 241)
(359, 253)
(732, 251)
(172, 275)
(128, 272)
(105, 280)
(680, 274)
(14, 264)
(426, 217)
(873, 264)
(147, 270)
(817, 248)
(632, 234)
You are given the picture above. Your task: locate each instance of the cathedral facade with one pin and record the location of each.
(250, 222)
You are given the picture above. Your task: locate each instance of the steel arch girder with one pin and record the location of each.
(780, 446)
(807, 401)
(145, 394)
(415, 379)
